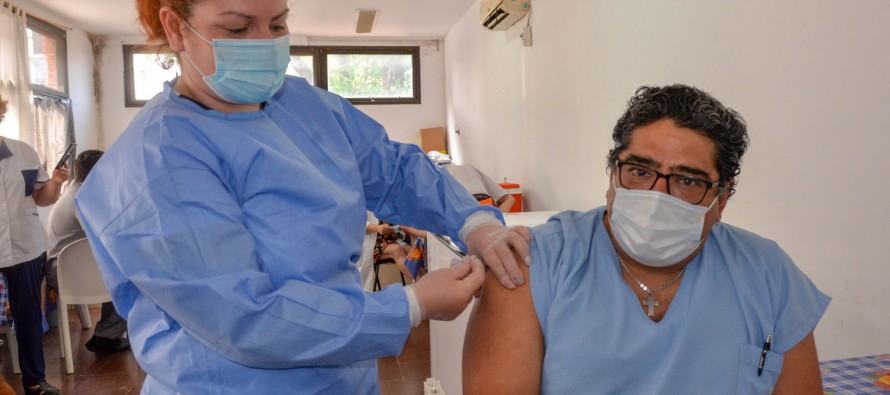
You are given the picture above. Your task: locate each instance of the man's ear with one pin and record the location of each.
(724, 197)
(173, 26)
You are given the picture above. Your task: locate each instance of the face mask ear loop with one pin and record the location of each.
(189, 58)
(196, 32)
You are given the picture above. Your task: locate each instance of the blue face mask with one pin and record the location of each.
(248, 71)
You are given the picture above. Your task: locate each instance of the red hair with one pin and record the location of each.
(149, 16)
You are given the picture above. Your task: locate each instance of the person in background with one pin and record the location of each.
(24, 185)
(392, 245)
(480, 185)
(63, 228)
(651, 293)
(227, 218)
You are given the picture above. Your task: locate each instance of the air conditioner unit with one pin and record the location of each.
(501, 14)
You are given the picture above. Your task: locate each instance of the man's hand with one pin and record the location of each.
(60, 175)
(496, 245)
(444, 294)
(49, 192)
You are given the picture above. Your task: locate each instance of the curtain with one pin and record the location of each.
(15, 73)
(53, 127)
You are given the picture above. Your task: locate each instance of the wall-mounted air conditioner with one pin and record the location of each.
(501, 14)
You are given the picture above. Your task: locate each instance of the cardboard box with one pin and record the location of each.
(433, 139)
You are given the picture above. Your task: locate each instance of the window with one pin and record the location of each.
(145, 71)
(47, 49)
(363, 75)
(303, 63)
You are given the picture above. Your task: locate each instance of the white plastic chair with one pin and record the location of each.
(13, 348)
(80, 283)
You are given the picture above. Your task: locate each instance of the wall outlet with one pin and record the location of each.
(526, 36)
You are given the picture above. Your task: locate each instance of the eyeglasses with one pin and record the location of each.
(687, 188)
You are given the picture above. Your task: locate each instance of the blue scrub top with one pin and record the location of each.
(229, 241)
(598, 340)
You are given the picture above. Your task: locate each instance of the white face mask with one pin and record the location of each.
(654, 228)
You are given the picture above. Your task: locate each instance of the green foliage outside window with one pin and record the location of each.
(370, 76)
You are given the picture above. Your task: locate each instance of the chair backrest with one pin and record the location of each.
(80, 281)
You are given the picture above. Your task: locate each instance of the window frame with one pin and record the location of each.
(129, 76)
(319, 54)
(319, 64)
(47, 29)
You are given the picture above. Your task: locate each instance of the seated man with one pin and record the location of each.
(63, 228)
(651, 294)
(477, 183)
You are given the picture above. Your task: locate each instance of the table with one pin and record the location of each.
(859, 375)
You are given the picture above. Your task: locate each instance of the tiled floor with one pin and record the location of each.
(99, 374)
(93, 373)
(404, 374)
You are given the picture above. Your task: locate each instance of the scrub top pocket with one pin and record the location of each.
(30, 178)
(749, 382)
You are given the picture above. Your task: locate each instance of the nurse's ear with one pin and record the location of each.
(173, 26)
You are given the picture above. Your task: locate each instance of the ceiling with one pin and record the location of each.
(313, 18)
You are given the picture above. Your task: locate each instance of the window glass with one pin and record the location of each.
(47, 53)
(146, 71)
(302, 66)
(371, 75)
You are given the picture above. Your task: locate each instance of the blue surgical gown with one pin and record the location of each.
(738, 290)
(229, 241)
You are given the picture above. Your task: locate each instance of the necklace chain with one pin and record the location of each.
(643, 286)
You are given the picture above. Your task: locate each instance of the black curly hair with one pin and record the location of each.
(85, 162)
(689, 108)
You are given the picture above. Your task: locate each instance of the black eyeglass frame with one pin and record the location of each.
(710, 184)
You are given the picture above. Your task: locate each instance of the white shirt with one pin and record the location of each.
(22, 236)
(476, 182)
(63, 227)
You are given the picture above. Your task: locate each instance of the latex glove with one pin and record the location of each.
(496, 244)
(443, 294)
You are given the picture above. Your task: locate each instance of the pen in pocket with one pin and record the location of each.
(766, 346)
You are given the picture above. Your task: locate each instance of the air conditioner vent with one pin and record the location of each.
(501, 14)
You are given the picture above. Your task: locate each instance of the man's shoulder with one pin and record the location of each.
(18, 147)
(734, 235)
(568, 234)
(571, 220)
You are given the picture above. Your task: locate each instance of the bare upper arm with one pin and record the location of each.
(504, 345)
(800, 370)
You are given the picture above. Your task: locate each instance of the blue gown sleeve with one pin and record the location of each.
(181, 242)
(401, 184)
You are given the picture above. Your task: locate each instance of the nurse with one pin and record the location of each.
(228, 217)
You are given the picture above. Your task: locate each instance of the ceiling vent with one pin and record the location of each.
(501, 14)
(365, 21)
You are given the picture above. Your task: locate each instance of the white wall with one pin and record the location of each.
(114, 114)
(810, 78)
(403, 122)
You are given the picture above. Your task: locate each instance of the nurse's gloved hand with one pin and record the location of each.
(496, 245)
(443, 294)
